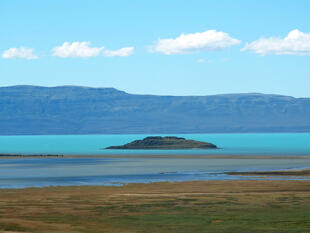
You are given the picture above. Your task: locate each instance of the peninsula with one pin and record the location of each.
(302, 172)
(157, 142)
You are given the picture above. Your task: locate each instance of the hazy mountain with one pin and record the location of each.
(84, 110)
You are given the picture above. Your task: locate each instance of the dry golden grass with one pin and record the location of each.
(211, 206)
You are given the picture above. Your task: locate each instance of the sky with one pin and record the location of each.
(162, 47)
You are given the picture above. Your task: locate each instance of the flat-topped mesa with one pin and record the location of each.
(164, 143)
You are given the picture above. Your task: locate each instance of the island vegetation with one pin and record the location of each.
(171, 142)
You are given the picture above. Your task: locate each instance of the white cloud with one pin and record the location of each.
(123, 52)
(25, 53)
(76, 49)
(195, 42)
(295, 43)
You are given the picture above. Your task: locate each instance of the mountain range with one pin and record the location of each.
(85, 110)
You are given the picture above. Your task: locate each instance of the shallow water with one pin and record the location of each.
(33, 172)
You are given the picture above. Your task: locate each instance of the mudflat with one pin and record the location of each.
(200, 206)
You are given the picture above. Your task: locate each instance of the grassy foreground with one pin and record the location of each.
(191, 207)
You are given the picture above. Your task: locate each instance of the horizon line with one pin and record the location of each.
(92, 87)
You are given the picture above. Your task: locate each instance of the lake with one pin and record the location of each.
(40, 172)
(230, 144)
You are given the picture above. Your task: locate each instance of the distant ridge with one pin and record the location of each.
(29, 109)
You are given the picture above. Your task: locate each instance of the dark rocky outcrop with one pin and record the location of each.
(165, 143)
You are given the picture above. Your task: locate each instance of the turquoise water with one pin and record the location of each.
(230, 144)
(40, 172)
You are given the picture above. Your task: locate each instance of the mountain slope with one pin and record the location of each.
(84, 110)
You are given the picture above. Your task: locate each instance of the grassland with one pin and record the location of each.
(188, 207)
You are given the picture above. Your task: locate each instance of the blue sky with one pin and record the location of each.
(144, 53)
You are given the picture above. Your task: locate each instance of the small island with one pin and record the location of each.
(165, 143)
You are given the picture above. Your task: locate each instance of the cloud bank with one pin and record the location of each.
(295, 43)
(210, 40)
(84, 50)
(76, 49)
(22, 52)
(123, 52)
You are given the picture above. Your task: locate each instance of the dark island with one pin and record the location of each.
(165, 143)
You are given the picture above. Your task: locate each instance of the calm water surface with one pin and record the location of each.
(230, 144)
(40, 172)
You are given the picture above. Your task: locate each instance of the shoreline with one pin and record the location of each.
(174, 156)
(200, 185)
(288, 173)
